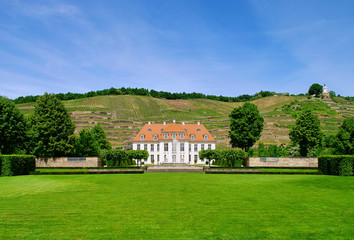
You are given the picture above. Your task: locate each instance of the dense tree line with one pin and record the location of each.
(48, 132)
(146, 92)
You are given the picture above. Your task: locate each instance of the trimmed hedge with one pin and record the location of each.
(341, 165)
(12, 165)
(227, 158)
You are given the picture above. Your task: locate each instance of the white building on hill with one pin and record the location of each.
(173, 143)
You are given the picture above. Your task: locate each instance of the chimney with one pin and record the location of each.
(198, 123)
(164, 123)
(174, 121)
(149, 123)
(182, 123)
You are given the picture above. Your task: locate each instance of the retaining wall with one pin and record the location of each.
(280, 162)
(84, 162)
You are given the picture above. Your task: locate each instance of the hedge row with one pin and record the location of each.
(12, 165)
(224, 158)
(341, 165)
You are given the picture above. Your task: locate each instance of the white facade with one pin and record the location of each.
(174, 151)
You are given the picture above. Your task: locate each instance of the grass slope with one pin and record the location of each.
(177, 206)
(123, 116)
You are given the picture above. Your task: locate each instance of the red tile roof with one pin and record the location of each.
(149, 130)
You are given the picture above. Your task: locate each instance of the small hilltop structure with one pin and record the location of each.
(325, 92)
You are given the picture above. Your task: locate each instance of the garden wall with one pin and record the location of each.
(280, 162)
(84, 162)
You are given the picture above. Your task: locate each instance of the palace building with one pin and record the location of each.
(173, 143)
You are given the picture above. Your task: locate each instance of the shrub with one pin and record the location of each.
(116, 158)
(341, 165)
(230, 158)
(12, 165)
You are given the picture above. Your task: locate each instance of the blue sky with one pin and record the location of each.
(215, 47)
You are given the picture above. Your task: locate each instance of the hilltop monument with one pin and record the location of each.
(325, 92)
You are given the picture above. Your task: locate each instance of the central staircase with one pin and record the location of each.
(175, 167)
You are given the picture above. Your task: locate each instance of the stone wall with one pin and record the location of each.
(280, 162)
(84, 162)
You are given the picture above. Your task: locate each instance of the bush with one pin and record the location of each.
(341, 165)
(116, 158)
(230, 158)
(12, 165)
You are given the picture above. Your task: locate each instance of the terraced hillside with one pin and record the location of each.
(122, 116)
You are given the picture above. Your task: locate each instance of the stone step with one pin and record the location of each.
(174, 169)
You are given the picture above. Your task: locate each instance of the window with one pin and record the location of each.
(195, 147)
(190, 158)
(182, 135)
(195, 157)
(166, 135)
(190, 147)
(138, 146)
(192, 137)
(158, 158)
(145, 146)
(158, 147)
(141, 137)
(202, 145)
(166, 147)
(152, 147)
(149, 130)
(198, 130)
(152, 158)
(181, 147)
(155, 137)
(209, 146)
(205, 137)
(174, 135)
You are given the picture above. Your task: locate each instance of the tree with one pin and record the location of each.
(208, 154)
(139, 155)
(315, 89)
(101, 138)
(306, 132)
(87, 145)
(53, 130)
(246, 126)
(345, 137)
(13, 127)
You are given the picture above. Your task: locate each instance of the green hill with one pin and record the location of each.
(123, 115)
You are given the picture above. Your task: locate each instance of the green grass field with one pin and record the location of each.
(177, 205)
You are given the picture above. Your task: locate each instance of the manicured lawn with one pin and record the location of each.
(177, 205)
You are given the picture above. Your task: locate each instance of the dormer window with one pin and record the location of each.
(192, 137)
(166, 135)
(155, 137)
(142, 137)
(149, 130)
(182, 135)
(205, 137)
(198, 130)
(174, 135)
